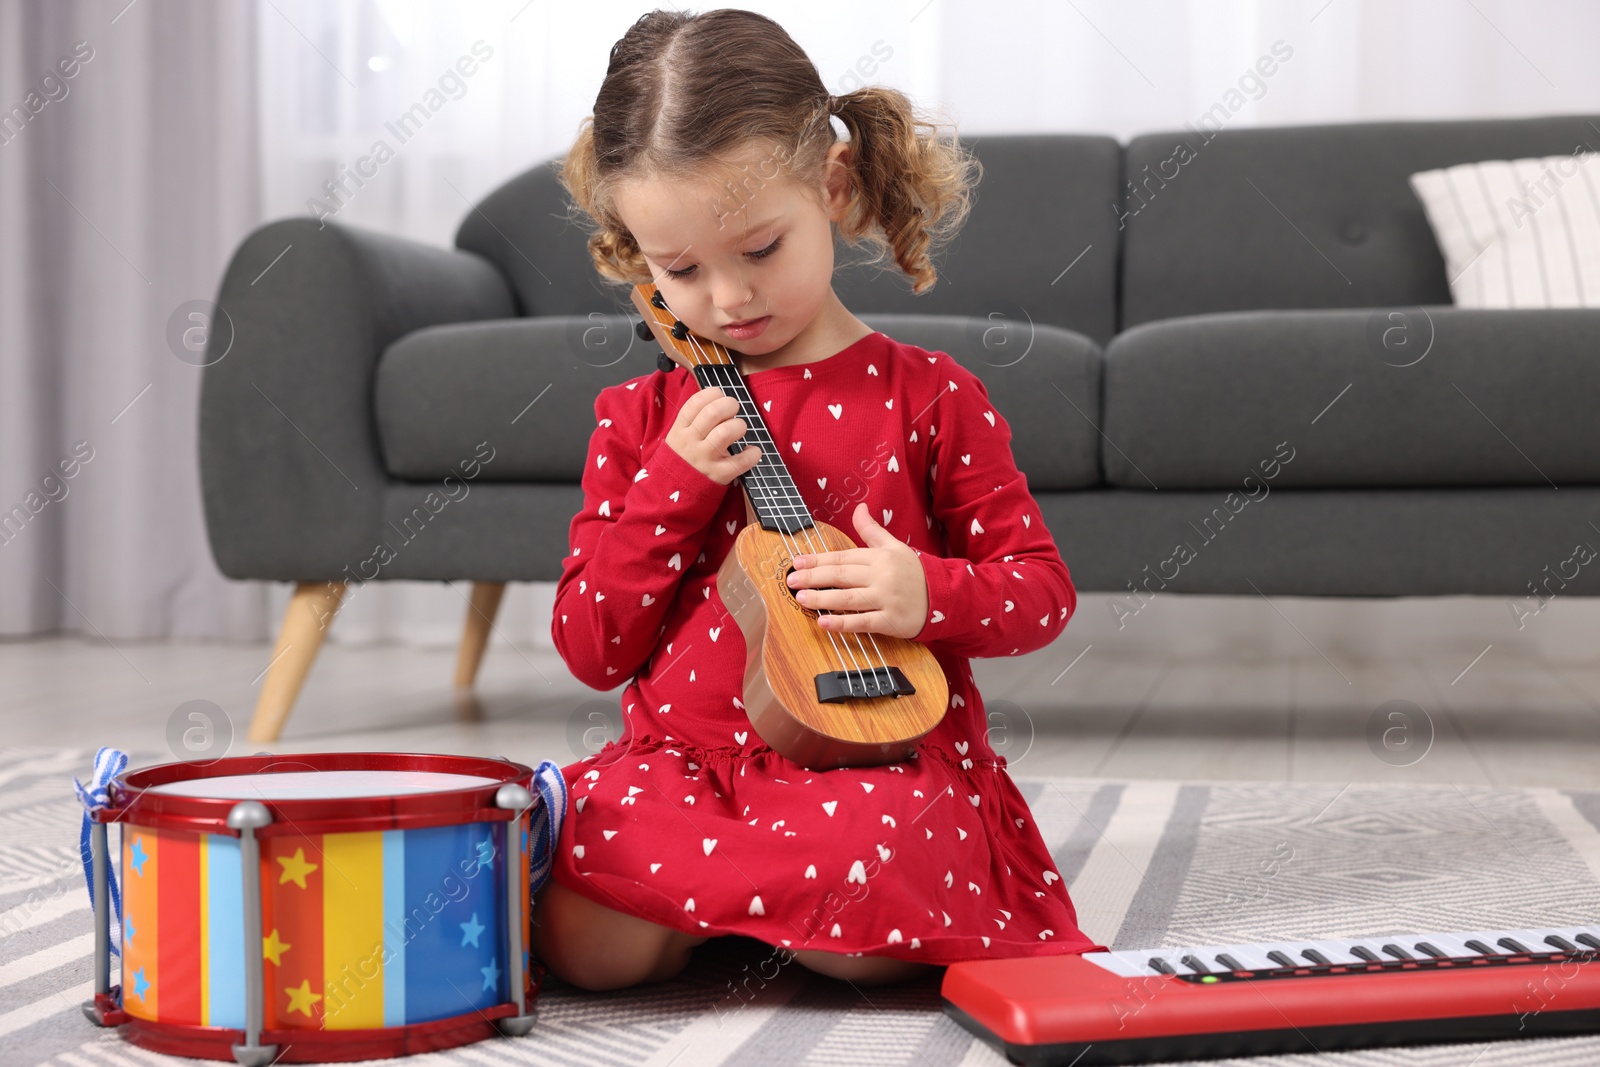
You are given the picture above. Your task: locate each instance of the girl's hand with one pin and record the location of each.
(883, 582)
(706, 426)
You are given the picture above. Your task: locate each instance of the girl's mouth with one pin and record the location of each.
(744, 331)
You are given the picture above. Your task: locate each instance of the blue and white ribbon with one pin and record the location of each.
(108, 763)
(545, 824)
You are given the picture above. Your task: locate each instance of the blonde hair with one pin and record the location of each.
(686, 95)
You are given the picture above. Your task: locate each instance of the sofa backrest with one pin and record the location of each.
(1043, 201)
(1302, 216)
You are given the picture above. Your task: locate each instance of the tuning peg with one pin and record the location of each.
(642, 328)
(664, 361)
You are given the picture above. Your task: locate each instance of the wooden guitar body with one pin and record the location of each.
(786, 650)
(822, 698)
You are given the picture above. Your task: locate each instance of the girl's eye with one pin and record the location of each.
(762, 254)
(767, 251)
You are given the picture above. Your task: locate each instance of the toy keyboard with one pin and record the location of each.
(1149, 1005)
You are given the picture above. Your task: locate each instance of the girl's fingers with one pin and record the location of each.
(859, 622)
(853, 575)
(850, 599)
(697, 400)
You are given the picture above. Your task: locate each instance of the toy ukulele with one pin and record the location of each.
(821, 698)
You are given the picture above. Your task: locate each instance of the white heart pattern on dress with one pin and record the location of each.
(836, 410)
(708, 844)
(829, 805)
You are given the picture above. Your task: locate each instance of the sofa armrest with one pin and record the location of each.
(290, 469)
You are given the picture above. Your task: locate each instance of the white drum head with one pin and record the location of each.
(322, 785)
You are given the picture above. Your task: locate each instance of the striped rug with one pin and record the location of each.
(1149, 863)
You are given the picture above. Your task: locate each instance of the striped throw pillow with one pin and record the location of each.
(1520, 233)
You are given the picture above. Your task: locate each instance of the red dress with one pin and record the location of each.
(689, 820)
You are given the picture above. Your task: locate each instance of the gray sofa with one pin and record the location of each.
(1230, 367)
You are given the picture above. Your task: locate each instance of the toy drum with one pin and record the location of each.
(321, 907)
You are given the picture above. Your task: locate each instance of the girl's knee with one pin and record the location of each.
(862, 970)
(598, 948)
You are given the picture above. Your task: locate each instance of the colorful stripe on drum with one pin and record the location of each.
(360, 930)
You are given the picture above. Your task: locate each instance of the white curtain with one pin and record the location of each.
(124, 187)
(194, 122)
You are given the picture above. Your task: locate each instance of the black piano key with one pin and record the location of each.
(1282, 959)
(1428, 949)
(1194, 964)
(1511, 944)
(1397, 952)
(1316, 957)
(1588, 939)
(1481, 949)
(1364, 953)
(1162, 965)
(1230, 963)
(1557, 941)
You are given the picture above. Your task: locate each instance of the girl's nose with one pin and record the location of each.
(732, 295)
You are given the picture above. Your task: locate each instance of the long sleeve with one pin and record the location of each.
(643, 523)
(1004, 590)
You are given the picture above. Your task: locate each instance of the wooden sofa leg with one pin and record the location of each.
(305, 623)
(484, 606)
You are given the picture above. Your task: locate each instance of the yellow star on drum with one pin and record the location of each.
(301, 999)
(295, 868)
(273, 949)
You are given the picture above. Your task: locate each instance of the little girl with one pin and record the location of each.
(711, 169)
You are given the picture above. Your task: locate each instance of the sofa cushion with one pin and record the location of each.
(1392, 397)
(1042, 201)
(528, 386)
(1518, 233)
(1302, 216)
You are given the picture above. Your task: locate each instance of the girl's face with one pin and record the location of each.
(760, 248)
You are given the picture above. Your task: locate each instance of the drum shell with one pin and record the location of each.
(383, 918)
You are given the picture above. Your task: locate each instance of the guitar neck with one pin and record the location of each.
(773, 494)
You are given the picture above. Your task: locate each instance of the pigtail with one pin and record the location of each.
(913, 188)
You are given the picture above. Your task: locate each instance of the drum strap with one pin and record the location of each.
(108, 763)
(546, 823)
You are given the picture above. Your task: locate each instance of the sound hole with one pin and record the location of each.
(784, 581)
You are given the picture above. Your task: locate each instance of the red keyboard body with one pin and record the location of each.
(1068, 1010)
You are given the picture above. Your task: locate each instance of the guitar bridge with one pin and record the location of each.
(836, 686)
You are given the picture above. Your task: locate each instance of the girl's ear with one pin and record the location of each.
(836, 179)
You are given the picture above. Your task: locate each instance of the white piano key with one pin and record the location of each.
(1490, 938)
(1373, 945)
(1119, 963)
(1592, 931)
(1201, 953)
(1139, 960)
(1288, 948)
(1335, 951)
(1533, 939)
(1452, 944)
(1252, 956)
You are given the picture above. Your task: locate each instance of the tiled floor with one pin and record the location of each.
(1296, 714)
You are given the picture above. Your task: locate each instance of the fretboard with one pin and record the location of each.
(773, 493)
